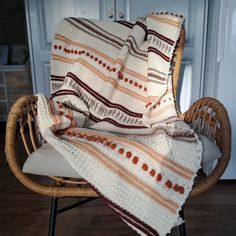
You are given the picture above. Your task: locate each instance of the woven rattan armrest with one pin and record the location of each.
(209, 117)
(21, 123)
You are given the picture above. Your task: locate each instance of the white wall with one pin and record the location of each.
(220, 81)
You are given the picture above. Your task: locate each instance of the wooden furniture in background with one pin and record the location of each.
(15, 82)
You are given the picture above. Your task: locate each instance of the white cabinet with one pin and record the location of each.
(43, 15)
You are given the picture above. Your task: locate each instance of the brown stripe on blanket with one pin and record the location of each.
(144, 27)
(160, 36)
(143, 227)
(114, 122)
(125, 23)
(108, 40)
(90, 24)
(112, 81)
(57, 77)
(97, 96)
(131, 49)
(130, 219)
(101, 98)
(156, 51)
(157, 71)
(135, 49)
(63, 92)
(136, 45)
(153, 75)
(119, 41)
(133, 44)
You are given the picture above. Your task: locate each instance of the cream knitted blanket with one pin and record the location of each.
(112, 115)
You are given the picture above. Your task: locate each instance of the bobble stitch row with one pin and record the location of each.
(130, 81)
(167, 13)
(81, 52)
(157, 104)
(100, 62)
(128, 155)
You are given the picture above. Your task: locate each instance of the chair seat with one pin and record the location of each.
(48, 161)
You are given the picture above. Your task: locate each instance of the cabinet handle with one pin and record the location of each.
(110, 15)
(121, 15)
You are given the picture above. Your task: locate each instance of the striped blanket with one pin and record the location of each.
(112, 115)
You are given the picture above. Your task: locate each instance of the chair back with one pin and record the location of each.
(177, 59)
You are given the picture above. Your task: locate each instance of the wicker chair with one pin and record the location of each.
(207, 116)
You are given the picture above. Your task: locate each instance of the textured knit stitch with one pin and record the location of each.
(112, 115)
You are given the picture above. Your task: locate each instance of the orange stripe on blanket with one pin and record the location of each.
(102, 76)
(129, 177)
(163, 160)
(167, 21)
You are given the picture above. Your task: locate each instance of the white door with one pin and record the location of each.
(43, 15)
(220, 79)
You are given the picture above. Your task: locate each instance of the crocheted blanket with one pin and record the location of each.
(112, 115)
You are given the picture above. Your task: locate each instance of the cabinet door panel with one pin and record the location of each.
(185, 91)
(53, 14)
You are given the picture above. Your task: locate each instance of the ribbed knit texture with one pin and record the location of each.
(112, 115)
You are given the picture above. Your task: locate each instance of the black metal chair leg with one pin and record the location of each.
(53, 216)
(182, 229)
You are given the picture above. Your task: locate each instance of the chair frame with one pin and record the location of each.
(206, 116)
